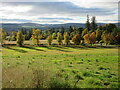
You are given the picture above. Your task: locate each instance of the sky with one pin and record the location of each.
(58, 11)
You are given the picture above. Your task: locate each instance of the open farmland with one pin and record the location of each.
(59, 66)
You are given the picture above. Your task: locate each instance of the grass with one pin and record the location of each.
(45, 67)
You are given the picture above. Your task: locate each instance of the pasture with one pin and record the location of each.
(59, 66)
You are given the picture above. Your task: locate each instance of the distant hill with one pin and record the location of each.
(15, 26)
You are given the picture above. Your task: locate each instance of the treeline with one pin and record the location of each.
(91, 34)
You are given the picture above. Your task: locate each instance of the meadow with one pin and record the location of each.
(60, 67)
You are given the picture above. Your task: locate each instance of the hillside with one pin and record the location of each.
(17, 26)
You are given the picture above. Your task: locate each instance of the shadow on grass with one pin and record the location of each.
(18, 50)
(57, 48)
(33, 48)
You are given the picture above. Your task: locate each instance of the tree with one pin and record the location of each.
(85, 31)
(80, 29)
(98, 34)
(117, 37)
(76, 39)
(3, 36)
(77, 30)
(20, 38)
(24, 31)
(93, 24)
(109, 27)
(29, 34)
(62, 30)
(66, 38)
(59, 38)
(36, 36)
(100, 27)
(70, 29)
(90, 38)
(49, 39)
(52, 30)
(54, 35)
(13, 36)
(108, 38)
(87, 25)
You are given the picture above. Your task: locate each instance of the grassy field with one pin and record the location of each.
(49, 67)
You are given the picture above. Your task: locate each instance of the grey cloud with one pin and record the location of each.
(60, 8)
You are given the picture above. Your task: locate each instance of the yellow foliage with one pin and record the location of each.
(36, 36)
(59, 38)
(20, 38)
(3, 36)
(49, 39)
(66, 38)
(76, 39)
(90, 38)
(108, 38)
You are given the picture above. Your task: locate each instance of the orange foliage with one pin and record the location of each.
(90, 38)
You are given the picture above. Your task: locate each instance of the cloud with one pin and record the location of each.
(55, 18)
(18, 20)
(65, 8)
(56, 12)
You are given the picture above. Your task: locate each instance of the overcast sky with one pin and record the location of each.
(58, 11)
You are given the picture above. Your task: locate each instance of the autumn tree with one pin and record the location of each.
(20, 38)
(76, 39)
(49, 39)
(108, 38)
(90, 38)
(66, 38)
(85, 31)
(36, 36)
(3, 36)
(86, 38)
(59, 38)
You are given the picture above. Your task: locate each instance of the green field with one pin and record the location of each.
(51, 67)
